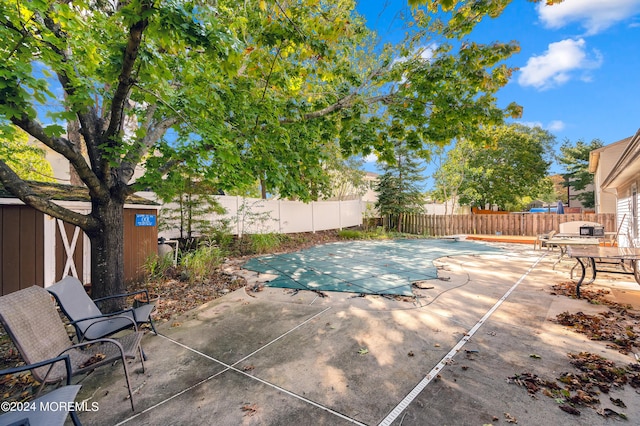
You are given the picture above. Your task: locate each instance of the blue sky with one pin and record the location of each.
(579, 64)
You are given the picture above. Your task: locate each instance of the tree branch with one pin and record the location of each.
(344, 103)
(65, 148)
(21, 189)
(121, 94)
(154, 131)
(89, 122)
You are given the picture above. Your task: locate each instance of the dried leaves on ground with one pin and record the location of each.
(595, 376)
(618, 325)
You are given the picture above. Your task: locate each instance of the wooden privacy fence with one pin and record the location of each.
(521, 224)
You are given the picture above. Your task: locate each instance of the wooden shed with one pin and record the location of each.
(38, 249)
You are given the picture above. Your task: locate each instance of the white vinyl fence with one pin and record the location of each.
(258, 216)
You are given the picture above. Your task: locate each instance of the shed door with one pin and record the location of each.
(21, 248)
(70, 251)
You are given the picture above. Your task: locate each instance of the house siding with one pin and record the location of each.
(627, 216)
(606, 200)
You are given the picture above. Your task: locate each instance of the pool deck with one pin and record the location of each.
(512, 239)
(280, 357)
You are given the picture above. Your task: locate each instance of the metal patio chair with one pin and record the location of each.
(541, 240)
(30, 318)
(37, 413)
(90, 323)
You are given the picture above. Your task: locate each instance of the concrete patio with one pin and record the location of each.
(280, 357)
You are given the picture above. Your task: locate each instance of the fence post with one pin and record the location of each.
(238, 227)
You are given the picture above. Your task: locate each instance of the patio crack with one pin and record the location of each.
(231, 367)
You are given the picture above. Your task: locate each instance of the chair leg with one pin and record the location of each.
(74, 418)
(143, 357)
(153, 327)
(126, 375)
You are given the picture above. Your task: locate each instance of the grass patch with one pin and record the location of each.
(378, 234)
(200, 263)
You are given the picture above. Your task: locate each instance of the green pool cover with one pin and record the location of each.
(369, 267)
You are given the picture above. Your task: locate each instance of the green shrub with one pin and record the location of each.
(222, 236)
(351, 234)
(155, 267)
(264, 243)
(200, 263)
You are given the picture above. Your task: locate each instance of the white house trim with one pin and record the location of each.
(49, 250)
(622, 180)
(69, 249)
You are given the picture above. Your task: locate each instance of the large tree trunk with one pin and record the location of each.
(107, 253)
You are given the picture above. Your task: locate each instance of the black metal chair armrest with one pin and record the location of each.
(114, 296)
(110, 317)
(65, 358)
(103, 317)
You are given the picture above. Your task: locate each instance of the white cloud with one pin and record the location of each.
(424, 53)
(531, 124)
(556, 125)
(594, 15)
(371, 158)
(558, 64)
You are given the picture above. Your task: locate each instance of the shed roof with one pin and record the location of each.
(62, 192)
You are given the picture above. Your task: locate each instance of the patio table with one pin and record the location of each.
(607, 238)
(564, 242)
(597, 257)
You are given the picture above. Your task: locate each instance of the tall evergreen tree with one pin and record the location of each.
(398, 189)
(575, 160)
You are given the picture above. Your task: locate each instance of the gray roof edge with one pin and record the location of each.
(629, 155)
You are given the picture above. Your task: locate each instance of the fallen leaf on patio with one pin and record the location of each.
(249, 409)
(176, 324)
(424, 285)
(94, 359)
(363, 351)
(618, 402)
(608, 412)
(569, 409)
(437, 345)
(535, 356)
(509, 418)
